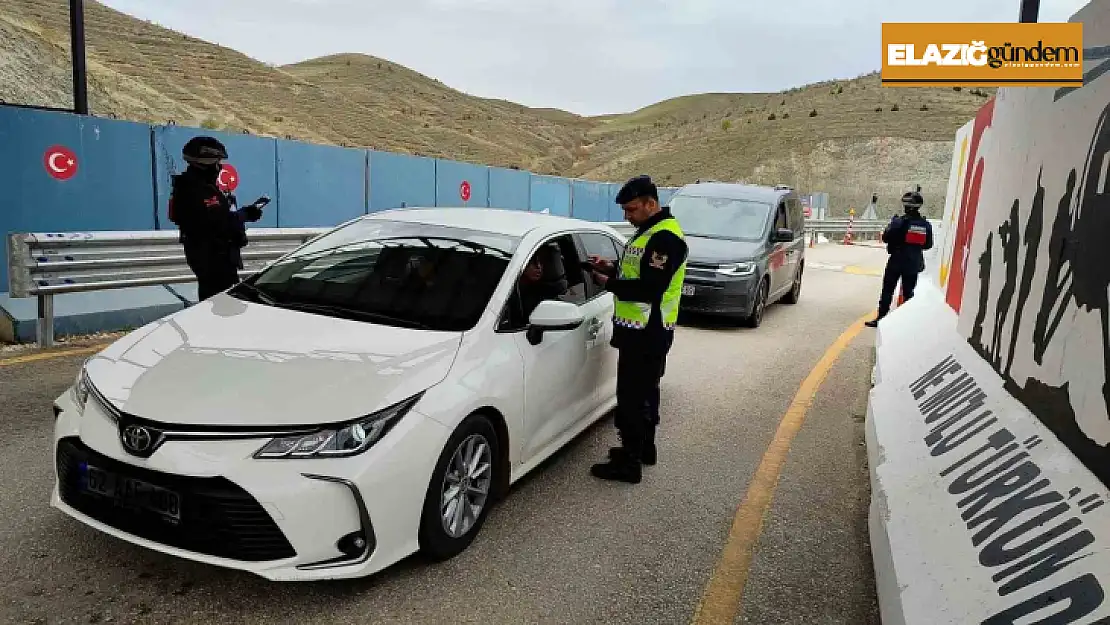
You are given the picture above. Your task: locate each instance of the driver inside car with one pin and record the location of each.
(541, 279)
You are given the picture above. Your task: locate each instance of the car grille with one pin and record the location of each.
(218, 518)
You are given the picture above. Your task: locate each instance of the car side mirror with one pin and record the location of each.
(783, 235)
(552, 316)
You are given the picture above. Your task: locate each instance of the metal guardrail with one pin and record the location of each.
(43, 265)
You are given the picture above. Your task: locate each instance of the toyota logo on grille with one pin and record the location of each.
(137, 439)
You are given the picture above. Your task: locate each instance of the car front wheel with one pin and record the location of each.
(796, 288)
(459, 495)
(756, 318)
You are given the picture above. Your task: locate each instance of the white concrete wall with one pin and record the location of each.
(989, 423)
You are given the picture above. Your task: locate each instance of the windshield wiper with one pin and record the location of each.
(259, 294)
(711, 236)
(344, 312)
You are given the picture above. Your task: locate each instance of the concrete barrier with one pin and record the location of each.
(988, 426)
(978, 514)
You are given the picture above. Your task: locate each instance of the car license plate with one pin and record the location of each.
(132, 493)
(687, 289)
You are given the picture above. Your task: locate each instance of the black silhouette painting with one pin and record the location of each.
(1032, 244)
(984, 297)
(1008, 234)
(1077, 278)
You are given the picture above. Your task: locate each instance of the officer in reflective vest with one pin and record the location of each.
(906, 237)
(647, 287)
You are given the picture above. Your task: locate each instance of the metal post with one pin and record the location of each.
(45, 323)
(1029, 11)
(77, 51)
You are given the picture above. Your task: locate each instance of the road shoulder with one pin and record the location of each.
(813, 560)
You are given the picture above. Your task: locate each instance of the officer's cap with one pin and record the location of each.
(640, 186)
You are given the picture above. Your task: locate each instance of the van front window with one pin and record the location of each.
(721, 218)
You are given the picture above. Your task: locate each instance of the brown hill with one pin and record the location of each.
(829, 136)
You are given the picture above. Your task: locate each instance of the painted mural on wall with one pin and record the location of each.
(946, 243)
(968, 207)
(1036, 297)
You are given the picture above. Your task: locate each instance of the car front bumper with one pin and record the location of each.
(716, 294)
(280, 519)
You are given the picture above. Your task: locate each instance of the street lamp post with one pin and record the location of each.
(77, 47)
(1029, 10)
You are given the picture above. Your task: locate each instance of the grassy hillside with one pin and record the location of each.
(848, 138)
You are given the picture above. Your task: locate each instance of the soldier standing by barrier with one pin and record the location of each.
(647, 286)
(212, 231)
(906, 237)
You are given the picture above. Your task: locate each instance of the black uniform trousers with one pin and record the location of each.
(214, 272)
(898, 268)
(638, 373)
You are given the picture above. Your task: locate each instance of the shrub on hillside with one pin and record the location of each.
(894, 108)
(725, 125)
(813, 113)
(771, 117)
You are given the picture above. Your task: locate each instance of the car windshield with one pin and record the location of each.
(721, 218)
(388, 272)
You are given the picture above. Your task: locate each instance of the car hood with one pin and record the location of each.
(225, 361)
(718, 251)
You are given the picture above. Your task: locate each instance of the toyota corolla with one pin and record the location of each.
(363, 398)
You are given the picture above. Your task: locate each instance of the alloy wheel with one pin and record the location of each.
(466, 485)
(760, 303)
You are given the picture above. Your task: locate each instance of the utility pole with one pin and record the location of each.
(77, 52)
(1029, 11)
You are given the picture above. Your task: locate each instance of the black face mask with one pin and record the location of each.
(208, 173)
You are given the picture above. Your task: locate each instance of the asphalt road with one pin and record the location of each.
(564, 548)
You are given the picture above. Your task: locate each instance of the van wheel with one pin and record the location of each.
(460, 492)
(756, 318)
(796, 289)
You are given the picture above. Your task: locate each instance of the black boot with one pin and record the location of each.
(647, 457)
(621, 469)
(624, 462)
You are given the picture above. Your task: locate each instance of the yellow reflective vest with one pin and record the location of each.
(635, 315)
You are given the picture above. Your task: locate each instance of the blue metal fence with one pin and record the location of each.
(67, 172)
(462, 184)
(401, 180)
(252, 171)
(319, 184)
(551, 194)
(509, 188)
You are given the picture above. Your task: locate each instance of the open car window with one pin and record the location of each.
(561, 278)
(393, 273)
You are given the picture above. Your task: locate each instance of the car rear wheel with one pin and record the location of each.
(796, 289)
(756, 318)
(460, 492)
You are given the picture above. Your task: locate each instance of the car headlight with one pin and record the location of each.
(736, 269)
(80, 390)
(348, 439)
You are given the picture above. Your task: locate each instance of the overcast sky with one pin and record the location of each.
(585, 56)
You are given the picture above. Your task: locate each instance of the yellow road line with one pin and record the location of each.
(720, 602)
(862, 271)
(77, 351)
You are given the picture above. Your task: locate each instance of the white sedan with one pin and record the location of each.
(365, 397)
